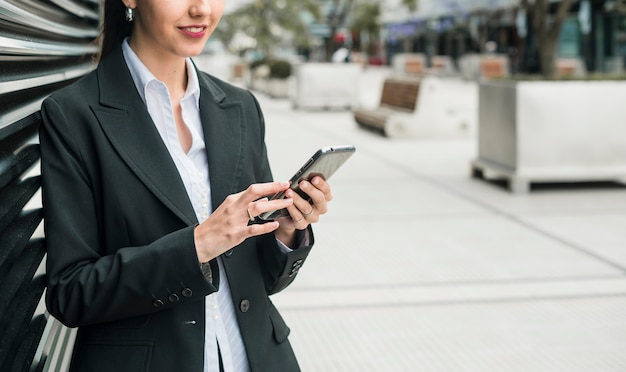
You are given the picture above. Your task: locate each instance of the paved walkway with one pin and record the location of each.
(419, 267)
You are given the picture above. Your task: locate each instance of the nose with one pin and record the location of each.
(200, 8)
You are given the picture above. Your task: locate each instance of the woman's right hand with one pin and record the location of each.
(229, 225)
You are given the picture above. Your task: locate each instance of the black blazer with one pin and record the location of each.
(119, 228)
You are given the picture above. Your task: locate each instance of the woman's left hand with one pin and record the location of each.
(302, 212)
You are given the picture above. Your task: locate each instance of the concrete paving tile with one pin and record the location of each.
(445, 249)
(567, 199)
(471, 337)
(419, 267)
(422, 294)
(395, 201)
(600, 234)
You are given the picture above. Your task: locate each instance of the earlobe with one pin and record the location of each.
(129, 4)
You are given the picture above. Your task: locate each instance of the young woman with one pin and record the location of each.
(152, 172)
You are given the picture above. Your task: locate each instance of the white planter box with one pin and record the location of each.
(278, 88)
(325, 85)
(259, 84)
(546, 131)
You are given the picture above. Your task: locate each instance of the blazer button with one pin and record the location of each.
(187, 292)
(244, 306)
(157, 303)
(229, 253)
(173, 297)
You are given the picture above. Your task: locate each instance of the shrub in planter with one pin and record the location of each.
(279, 69)
(256, 63)
(260, 68)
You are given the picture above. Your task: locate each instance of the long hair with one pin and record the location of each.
(114, 27)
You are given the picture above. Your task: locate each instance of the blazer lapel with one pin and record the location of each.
(225, 139)
(126, 122)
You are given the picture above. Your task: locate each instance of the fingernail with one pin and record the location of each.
(316, 181)
(284, 184)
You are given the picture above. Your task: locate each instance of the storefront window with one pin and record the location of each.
(569, 40)
(620, 36)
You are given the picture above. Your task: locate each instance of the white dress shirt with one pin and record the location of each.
(193, 167)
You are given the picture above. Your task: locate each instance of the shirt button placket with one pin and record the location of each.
(205, 201)
(214, 310)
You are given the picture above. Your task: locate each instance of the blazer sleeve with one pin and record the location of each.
(85, 285)
(279, 268)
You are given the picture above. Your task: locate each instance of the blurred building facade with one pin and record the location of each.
(594, 32)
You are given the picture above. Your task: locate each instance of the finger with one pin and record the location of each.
(259, 190)
(262, 229)
(323, 186)
(303, 209)
(295, 214)
(298, 220)
(263, 205)
(317, 197)
(302, 214)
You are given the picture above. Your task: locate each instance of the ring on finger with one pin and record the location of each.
(308, 214)
(250, 215)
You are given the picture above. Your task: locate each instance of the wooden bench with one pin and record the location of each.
(430, 106)
(399, 95)
(442, 66)
(570, 67)
(484, 66)
(493, 68)
(413, 64)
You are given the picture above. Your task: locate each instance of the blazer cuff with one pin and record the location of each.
(303, 239)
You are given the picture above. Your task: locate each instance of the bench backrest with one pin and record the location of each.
(400, 93)
(414, 66)
(494, 67)
(570, 67)
(32, 340)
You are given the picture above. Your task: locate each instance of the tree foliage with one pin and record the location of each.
(618, 6)
(269, 22)
(412, 5)
(365, 19)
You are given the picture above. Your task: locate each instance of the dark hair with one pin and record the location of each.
(115, 27)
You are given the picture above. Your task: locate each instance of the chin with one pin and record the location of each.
(192, 52)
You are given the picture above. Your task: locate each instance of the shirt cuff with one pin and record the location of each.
(303, 238)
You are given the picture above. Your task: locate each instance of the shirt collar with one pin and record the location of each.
(143, 77)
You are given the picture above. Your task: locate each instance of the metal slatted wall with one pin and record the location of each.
(44, 45)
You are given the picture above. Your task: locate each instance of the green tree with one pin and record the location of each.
(412, 5)
(547, 28)
(269, 22)
(618, 6)
(364, 21)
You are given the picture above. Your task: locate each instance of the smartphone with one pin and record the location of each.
(323, 163)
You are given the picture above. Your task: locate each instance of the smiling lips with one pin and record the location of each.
(194, 31)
